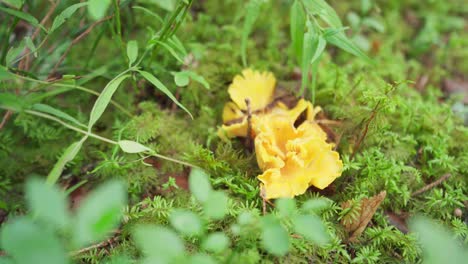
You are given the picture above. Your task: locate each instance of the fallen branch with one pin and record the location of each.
(432, 185)
(98, 245)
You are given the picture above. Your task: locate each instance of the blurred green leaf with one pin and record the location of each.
(315, 205)
(24, 16)
(186, 222)
(201, 258)
(341, 41)
(181, 79)
(104, 99)
(5, 74)
(275, 239)
(200, 185)
(97, 9)
(65, 15)
(216, 242)
(438, 245)
(132, 51)
(28, 243)
(310, 42)
(216, 206)
(297, 28)
(286, 206)
(311, 228)
(68, 155)
(47, 203)
(168, 5)
(12, 102)
(15, 3)
(158, 244)
(129, 146)
(324, 11)
(156, 82)
(100, 212)
(251, 14)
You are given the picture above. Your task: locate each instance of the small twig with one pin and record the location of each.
(98, 245)
(366, 129)
(248, 139)
(5, 118)
(432, 184)
(77, 39)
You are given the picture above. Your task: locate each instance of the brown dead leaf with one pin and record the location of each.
(364, 211)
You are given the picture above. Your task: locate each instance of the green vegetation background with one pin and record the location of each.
(417, 135)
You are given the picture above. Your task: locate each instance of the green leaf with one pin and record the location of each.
(65, 15)
(199, 184)
(216, 242)
(132, 51)
(149, 12)
(56, 112)
(324, 11)
(297, 28)
(315, 205)
(156, 82)
(26, 242)
(321, 44)
(275, 238)
(12, 102)
(186, 222)
(170, 49)
(132, 146)
(309, 47)
(252, 12)
(104, 99)
(97, 9)
(438, 245)
(198, 78)
(181, 79)
(341, 41)
(15, 3)
(286, 206)
(311, 228)
(100, 212)
(24, 16)
(67, 156)
(165, 4)
(5, 74)
(29, 43)
(14, 53)
(47, 203)
(216, 206)
(201, 258)
(158, 244)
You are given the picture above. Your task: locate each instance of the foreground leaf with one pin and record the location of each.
(26, 242)
(158, 244)
(100, 212)
(199, 184)
(311, 228)
(437, 243)
(368, 206)
(275, 238)
(47, 203)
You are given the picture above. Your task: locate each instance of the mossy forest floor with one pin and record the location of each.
(399, 123)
